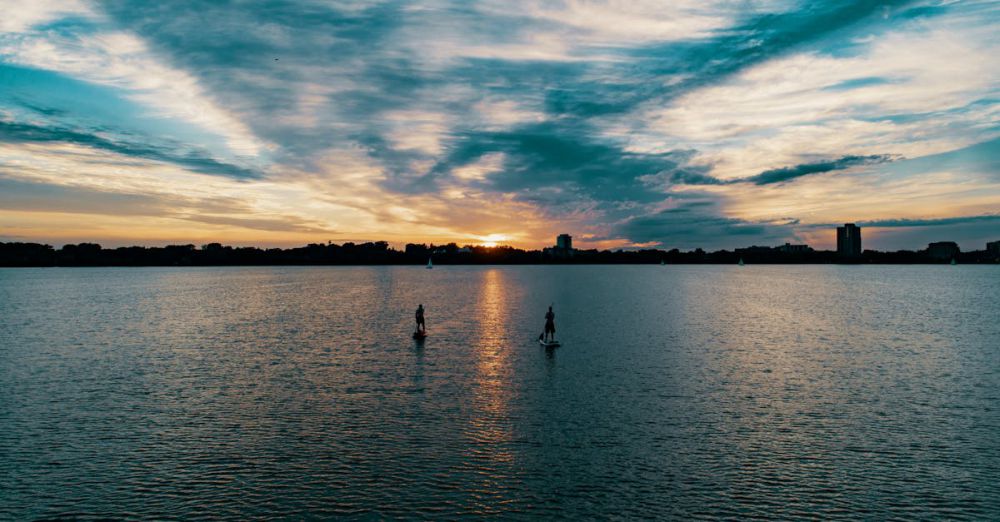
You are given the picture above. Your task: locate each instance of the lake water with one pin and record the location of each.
(679, 391)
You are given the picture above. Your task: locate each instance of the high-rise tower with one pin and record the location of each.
(849, 241)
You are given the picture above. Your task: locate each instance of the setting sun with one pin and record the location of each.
(492, 240)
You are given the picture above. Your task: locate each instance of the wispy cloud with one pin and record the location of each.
(11, 132)
(935, 222)
(695, 175)
(784, 174)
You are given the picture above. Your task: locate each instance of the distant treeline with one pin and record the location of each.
(379, 253)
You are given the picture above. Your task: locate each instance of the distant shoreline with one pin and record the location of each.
(443, 266)
(380, 254)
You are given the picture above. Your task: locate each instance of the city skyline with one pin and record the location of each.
(630, 124)
(846, 243)
(849, 251)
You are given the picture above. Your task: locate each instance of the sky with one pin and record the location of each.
(626, 123)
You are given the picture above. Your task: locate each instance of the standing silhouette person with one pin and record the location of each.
(421, 326)
(550, 325)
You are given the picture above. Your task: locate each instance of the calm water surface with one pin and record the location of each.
(679, 391)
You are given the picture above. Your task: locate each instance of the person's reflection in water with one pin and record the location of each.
(417, 379)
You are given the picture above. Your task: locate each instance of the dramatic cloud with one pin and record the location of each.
(696, 221)
(685, 123)
(568, 158)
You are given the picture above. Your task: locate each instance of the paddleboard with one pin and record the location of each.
(419, 336)
(549, 344)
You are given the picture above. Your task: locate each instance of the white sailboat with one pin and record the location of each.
(741, 261)
(430, 264)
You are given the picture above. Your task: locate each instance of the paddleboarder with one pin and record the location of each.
(421, 327)
(550, 325)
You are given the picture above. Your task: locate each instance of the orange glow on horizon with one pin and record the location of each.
(492, 240)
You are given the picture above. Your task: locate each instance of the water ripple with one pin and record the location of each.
(680, 392)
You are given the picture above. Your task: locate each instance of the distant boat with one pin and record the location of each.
(741, 261)
(430, 264)
(662, 262)
(953, 261)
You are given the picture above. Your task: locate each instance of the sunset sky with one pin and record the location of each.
(625, 123)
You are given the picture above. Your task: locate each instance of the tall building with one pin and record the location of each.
(993, 248)
(849, 241)
(563, 248)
